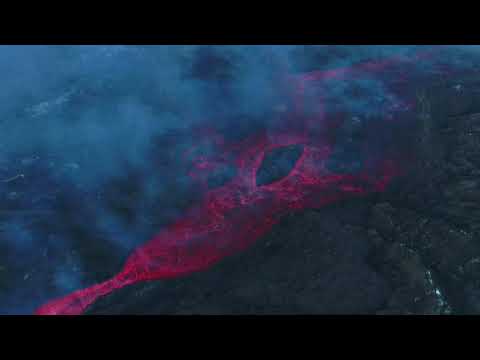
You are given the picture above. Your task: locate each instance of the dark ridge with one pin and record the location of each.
(278, 163)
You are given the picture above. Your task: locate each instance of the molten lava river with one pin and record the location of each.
(231, 217)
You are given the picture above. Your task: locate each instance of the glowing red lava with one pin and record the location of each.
(233, 216)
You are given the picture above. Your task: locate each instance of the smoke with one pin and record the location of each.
(81, 125)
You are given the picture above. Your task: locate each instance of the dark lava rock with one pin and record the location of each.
(309, 263)
(278, 163)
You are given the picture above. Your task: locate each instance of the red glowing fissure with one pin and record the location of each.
(232, 217)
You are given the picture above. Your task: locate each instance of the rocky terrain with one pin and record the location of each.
(413, 249)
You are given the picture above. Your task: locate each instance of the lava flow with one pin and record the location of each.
(231, 217)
